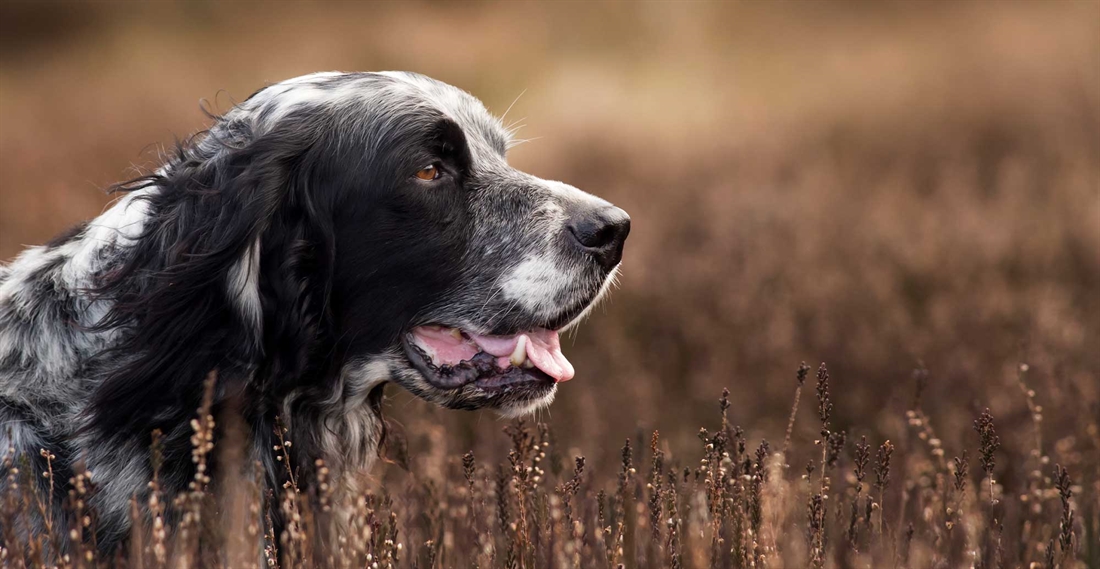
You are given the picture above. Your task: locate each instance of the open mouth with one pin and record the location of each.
(450, 358)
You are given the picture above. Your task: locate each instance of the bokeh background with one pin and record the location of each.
(880, 186)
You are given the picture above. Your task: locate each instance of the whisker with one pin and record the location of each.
(514, 101)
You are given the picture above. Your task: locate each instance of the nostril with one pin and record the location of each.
(604, 236)
(592, 234)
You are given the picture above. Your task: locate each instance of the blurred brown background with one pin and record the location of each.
(872, 185)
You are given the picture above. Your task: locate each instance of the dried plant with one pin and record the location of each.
(988, 444)
(733, 509)
(882, 476)
(800, 377)
(1066, 532)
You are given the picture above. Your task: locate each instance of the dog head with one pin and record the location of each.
(368, 222)
(454, 268)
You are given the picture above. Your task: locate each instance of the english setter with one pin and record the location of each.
(328, 235)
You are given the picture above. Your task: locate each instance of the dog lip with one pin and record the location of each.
(422, 363)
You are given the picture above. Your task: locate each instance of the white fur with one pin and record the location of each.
(535, 283)
(452, 102)
(121, 224)
(244, 286)
(517, 409)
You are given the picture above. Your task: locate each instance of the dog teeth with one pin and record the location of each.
(528, 364)
(456, 333)
(519, 355)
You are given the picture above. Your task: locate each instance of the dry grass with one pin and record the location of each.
(724, 505)
(881, 186)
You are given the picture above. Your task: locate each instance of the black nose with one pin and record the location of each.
(601, 232)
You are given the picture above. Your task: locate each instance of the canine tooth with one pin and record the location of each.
(528, 364)
(519, 355)
(456, 333)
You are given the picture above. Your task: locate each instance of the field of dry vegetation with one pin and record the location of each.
(907, 192)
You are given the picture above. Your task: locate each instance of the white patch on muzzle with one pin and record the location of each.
(536, 283)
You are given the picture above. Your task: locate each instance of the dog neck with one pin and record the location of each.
(345, 427)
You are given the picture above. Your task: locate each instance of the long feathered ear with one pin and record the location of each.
(231, 262)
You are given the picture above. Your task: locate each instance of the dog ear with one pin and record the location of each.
(232, 262)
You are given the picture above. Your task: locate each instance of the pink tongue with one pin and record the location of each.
(543, 348)
(500, 346)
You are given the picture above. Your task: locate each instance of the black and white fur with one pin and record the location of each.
(288, 249)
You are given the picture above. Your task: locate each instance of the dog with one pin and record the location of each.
(330, 234)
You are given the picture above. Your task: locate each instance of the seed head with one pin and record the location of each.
(803, 371)
(1064, 484)
(962, 468)
(863, 454)
(882, 465)
(468, 467)
(824, 406)
(989, 442)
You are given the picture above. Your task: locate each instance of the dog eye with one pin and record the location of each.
(429, 173)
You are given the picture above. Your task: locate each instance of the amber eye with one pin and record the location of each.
(429, 173)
